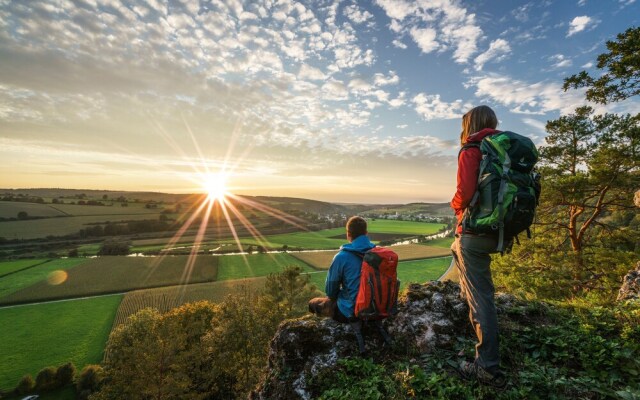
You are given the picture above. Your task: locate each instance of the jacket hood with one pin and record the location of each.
(361, 244)
(478, 136)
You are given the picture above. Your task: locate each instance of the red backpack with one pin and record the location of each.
(379, 284)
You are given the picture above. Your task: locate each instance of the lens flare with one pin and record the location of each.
(57, 277)
(215, 185)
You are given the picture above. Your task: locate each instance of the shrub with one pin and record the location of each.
(89, 380)
(65, 374)
(46, 379)
(26, 385)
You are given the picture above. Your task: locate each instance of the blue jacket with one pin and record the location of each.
(343, 279)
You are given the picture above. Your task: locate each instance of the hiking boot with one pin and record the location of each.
(469, 371)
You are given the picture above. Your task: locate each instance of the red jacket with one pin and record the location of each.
(468, 168)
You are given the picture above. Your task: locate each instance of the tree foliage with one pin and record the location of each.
(201, 350)
(621, 63)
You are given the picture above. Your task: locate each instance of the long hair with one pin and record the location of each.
(477, 119)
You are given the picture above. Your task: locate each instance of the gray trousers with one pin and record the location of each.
(472, 259)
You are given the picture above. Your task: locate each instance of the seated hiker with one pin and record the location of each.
(343, 283)
(343, 279)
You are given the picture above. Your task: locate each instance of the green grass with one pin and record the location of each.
(439, 242)
(408, 272)
(238, 267)
(403, 227)
(42, 335)
(115, 210)
(119, 274)
(20, 280)
(9, 267)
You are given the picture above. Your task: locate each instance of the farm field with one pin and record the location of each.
(439, 242)
(403, 227)
(164, 299)
(11, 267)
(322, 259)
(42, 335)
(10, 209)
(40, 228)
(22, 280)
(115, 275)
(115, 209)
(408, 272)
(254, 265)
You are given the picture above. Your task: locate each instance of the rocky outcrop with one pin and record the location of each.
(429, 315)
(630, 289)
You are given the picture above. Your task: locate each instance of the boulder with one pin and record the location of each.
(429, 316)
(630, 289)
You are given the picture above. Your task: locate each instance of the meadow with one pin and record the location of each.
(408, 272)
(11, 267)
(26, 278)
(115, 275)
(254, 265)
(322, 259)
(37, 336)
(10, 209)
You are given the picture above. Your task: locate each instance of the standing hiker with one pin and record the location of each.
(471, 252)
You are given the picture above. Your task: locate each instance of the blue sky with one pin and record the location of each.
(346, 101)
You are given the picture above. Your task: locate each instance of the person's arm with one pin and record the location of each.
(468, 166)
(334, 279)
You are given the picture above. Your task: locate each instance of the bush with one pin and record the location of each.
(26, 385)
(46, 379)
(89, 380)
(65, 374)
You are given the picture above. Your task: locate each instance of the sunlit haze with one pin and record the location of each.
(340, 101)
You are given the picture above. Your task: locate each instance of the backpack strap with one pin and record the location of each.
(506, 167)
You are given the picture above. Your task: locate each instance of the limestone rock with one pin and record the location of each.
(429, 315)
(630, 289)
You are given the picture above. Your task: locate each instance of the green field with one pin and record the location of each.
(10, 267)
(10, 209)
(403, 227)
(408, 272)
(23, 280)
(42, 335)
(253, 265)
(439, 242)
(39, 228)
(116, 209)
(115, 275)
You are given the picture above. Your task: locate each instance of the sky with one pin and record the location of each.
(342, 101)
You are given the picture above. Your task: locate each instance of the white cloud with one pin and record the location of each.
(582, 3)
(560, 61)
(355, 14)
(524, 97)
(381, 80)
(425, 39)
(435, 25)
(396, 9)
(498, 50)
(335, 90)
(398, 43)
(431, 107)
(359, 85)
(578, 24)
(309, 72)
(588, 65)
(403, 126)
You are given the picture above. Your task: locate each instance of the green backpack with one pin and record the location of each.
(508, 188)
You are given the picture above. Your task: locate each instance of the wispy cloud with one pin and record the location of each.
(498, 50)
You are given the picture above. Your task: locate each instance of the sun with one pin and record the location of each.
(215, 186)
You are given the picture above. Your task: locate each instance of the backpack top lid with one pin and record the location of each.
(520, 150)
